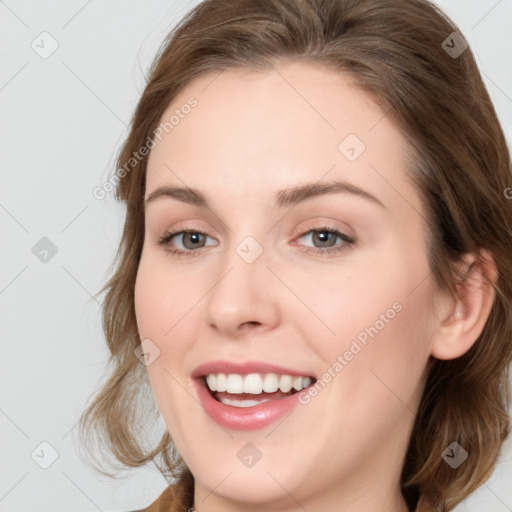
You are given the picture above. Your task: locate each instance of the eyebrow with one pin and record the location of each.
(284, 198)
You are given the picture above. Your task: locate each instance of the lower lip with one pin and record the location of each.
(245, 418)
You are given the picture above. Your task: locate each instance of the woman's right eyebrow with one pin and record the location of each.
(284, 198)
(184, 194)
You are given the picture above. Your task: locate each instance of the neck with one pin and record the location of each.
(349, 501)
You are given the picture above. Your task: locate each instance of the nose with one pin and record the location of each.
(243, 298)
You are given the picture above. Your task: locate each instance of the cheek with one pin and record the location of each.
(162, 298)
(390, 369)
(364, 302)
(164, 311)
(158, 308)
(381, 324)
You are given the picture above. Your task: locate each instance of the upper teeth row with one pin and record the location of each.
(255, 383)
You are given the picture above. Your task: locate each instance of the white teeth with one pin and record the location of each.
(270, 383)
(306, 381)
(285, 384)
(235, 383)
(243, 403)
(297, 383)
(256, 383)
(221, 384)
(253, 384)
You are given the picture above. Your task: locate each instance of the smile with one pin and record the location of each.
(243, 398)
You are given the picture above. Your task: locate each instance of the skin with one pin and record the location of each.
(251, 135)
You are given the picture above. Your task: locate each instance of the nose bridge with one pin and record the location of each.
(239, 295)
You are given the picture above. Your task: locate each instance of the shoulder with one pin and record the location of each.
(164, 502)
(177, 497)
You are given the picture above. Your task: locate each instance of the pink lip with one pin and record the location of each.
(243, 418)
(246, 418)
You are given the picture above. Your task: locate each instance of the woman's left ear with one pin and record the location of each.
(463, 319)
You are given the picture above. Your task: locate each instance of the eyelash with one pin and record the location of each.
(166, 238)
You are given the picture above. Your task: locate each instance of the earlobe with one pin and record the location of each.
(464, 323)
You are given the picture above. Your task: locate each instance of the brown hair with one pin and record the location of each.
(459, 161)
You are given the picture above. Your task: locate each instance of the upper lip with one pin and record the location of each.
(245, 368)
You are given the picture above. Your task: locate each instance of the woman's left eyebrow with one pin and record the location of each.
(294, 195)
(284, 198)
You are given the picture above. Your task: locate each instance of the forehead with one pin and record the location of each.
(262, 131)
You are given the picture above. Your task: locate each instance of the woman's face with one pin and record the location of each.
(265, 291)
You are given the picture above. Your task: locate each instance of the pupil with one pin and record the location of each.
(323, 236)
(195, 237)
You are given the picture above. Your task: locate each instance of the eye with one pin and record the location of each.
(190, 240)
(325, 237)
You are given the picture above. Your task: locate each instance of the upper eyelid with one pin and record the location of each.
(313, 224)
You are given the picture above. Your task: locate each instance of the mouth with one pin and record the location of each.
(253, 389)
(249, 395)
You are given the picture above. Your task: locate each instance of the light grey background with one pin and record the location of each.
(61, 123)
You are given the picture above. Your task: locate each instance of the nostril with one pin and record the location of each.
(251, 324)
